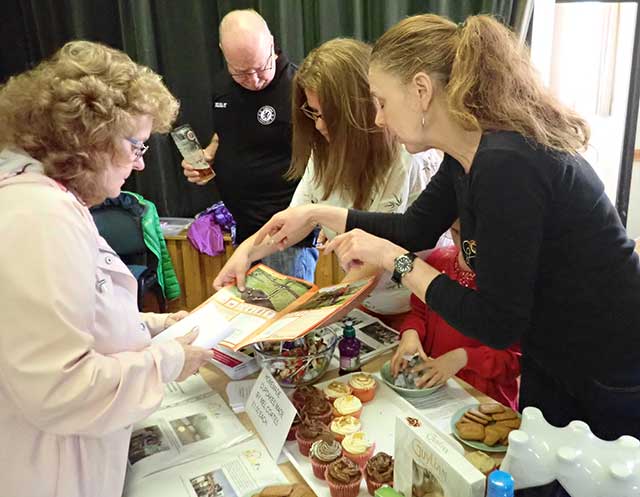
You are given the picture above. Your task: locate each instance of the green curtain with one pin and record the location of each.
(179, 39)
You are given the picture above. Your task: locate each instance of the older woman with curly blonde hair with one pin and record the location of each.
(77, 366)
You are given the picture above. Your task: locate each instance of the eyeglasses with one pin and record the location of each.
(268, 65)
(314, 115)
(138, 148)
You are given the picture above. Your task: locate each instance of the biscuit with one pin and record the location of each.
(511, 423)
(276, 491)
(484, 463)
(491, 436)
(508, 414)
(490, 408)
(503, 430)
(478, 414)
(474, 419)
(471, 431)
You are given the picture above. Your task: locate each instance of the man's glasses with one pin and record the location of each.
(268, 65)
(138, 148)
(314, 115)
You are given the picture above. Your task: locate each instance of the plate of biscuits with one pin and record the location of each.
(485, 427)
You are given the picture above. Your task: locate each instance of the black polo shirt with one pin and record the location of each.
(254, 128)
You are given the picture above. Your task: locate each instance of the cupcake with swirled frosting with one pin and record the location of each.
(343, 426)
(323, 452)
(349, 405)
(304, 393)
(318, 408)
(309, 430)
(343, 477)
(363, 386)
(378, 472)
(358, 448)
(335, 390)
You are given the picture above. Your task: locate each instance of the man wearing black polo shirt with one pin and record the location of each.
(251, 147)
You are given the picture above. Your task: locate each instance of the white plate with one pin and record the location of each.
(378, 421)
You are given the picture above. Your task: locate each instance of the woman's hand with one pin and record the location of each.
(409, 346)
(235, 269)
(194, 357)
(438, 371)
(358, 247)
(288, 224)
(174, 318)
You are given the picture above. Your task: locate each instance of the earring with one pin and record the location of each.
(423, 120)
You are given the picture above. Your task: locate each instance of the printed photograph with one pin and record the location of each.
(265, 289)
(336, 296)
(212, 484)
(146, 442)
(192, 428)
(380, 333)
(424, 484)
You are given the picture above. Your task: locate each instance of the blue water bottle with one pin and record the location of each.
(499, 484)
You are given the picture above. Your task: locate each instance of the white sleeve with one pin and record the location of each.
(305, 191)
(49, 368)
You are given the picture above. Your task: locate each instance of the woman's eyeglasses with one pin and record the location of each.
(138, 148)
(314, 115)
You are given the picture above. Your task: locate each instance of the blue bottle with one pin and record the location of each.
(499, 484)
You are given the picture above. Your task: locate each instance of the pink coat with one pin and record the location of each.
(77, 368)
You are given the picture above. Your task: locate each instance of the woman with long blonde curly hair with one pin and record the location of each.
(76, 360)
(554, 266)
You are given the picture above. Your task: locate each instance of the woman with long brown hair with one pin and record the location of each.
(341, 158)
(555, 268)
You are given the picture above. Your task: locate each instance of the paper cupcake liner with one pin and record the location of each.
(319, 468)
(365, 395)
(341, 490)
(372, 486)
(292, 433)
(360, 459)
(304, 445)
(337, 436)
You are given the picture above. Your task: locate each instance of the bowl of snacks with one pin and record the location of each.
(298, 362)
(404, 382)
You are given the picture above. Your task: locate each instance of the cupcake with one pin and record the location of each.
(378, 472)
(323, 452)
(358, 448)
(344, 425)
(309, 430)
(348, 405)
(294, 426)
(317, 408)
(343, 477)
(363, 386)
(303, 393)
(336, 389)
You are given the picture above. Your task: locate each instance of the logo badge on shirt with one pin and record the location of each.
(266, 115)
(469, 249)
(220, 105)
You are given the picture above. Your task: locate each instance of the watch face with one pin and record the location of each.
(403, 264)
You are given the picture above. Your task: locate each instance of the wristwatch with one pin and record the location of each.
(401, 266)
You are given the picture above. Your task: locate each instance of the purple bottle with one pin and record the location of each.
(349, 348)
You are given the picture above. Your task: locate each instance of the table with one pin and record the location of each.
(218, 381)
(196, 271)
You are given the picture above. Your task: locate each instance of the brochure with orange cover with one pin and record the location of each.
(275, 307)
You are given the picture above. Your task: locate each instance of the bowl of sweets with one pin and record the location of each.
(297, 362)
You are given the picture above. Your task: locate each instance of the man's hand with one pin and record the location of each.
(209, 153)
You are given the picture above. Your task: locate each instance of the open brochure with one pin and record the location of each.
(193, 421)
(238, 471)
(375, 337)
(272, 307)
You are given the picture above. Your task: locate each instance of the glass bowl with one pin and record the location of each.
(299, 362)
